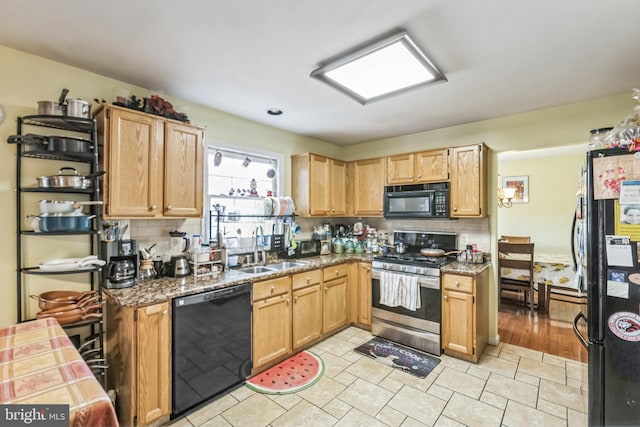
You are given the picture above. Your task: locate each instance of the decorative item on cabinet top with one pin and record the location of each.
(155, 105)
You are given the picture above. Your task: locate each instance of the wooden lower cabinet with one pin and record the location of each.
(334, 308)
(271, 320)
(140, 377)
(364, 294)
(306, 308)
(465, 315)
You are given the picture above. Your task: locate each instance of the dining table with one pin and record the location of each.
(549, 270)
(39, 365)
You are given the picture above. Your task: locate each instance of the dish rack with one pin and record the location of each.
(206, 261)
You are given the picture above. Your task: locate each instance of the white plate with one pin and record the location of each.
(63, 264)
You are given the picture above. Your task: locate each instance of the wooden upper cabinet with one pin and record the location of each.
(154, 166)
(432, 166)
(319, 185)
(184, 168)
(368, 186)
(400, 169)
(412, 168)
(468, 180)
(338, 196)
(134, 161)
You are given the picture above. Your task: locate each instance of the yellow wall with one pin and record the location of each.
(553, 181)
(28, 79)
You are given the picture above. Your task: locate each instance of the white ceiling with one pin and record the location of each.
(244, 56)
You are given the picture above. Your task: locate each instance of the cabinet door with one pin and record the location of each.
(153, 371)
(432, 166)
(307, 315)
(319, 189)
(369, 178)
(400, 169)
(271, 329)
(335, 312)
(457, 322)
(184, 167)
(364, 293)
(338, 196)
(467, 181)
(133, 184)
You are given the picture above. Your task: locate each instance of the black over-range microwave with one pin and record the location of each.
(417, 201)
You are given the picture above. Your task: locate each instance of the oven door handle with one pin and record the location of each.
(430, 282)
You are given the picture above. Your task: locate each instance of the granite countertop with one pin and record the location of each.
(164, 289)
(464, 268)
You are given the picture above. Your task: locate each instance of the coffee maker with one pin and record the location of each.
(121, 270)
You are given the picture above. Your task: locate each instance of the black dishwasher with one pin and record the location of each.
(211, 344)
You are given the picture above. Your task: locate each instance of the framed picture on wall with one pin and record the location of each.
(521, 185)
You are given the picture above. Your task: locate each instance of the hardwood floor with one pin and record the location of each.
(550, 332)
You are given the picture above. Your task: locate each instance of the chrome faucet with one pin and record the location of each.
(259, 243)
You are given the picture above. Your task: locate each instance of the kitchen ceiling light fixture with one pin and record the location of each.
(505, 197)
(386, 67)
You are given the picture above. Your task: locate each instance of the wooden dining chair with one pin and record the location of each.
(516, 239)
(516, 256)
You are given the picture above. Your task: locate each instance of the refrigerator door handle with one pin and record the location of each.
(576, 331)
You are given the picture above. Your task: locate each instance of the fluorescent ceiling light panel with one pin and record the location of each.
(387, 67)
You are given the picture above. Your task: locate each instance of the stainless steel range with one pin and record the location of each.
(397, 314)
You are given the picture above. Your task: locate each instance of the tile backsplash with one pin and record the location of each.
(469, 231)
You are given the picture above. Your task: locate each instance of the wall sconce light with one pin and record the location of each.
(506, 196)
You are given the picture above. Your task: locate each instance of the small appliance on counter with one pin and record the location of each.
(121, 270)
(178, 266)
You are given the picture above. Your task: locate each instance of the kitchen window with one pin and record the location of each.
(237, 183)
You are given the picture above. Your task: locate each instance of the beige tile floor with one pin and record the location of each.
(510, 386)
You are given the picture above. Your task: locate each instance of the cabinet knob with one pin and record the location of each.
(169, 207)
(273, 288)
(325, 289)
(153, 207)
(288, 301)
(165, 313)
(455, 209)
(337, 272)
(308, 279)
(368, 268)
(410, 176)
(295, 299)
(446, 297)
(457, 284)
(419, 176)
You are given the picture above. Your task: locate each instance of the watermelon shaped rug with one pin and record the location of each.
(298, 372)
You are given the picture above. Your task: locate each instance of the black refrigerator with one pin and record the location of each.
(612, 281)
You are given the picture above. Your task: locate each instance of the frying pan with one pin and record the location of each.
(64, 312)
(436, 252)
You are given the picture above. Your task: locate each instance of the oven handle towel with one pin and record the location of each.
(399, 290)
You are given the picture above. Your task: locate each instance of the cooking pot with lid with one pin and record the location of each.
(68, 180)
(78, 108)
(53, 108)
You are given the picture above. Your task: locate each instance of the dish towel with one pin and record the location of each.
(399, 290)
(389, 289)
(409, 292)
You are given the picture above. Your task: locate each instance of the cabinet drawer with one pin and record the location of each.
(333, 272)
(270, 288)
(458, 283)
(307, 278)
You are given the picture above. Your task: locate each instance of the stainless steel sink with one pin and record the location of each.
(286, 264)
(257, 269)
